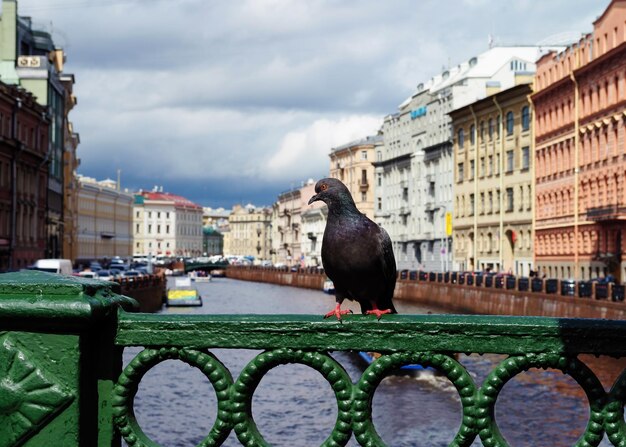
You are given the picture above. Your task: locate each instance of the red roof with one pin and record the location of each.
(179, 201)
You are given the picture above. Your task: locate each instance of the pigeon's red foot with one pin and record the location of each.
(379, 313)
(337, 312)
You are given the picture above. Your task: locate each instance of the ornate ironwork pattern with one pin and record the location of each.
(354, 400)
(428, 341)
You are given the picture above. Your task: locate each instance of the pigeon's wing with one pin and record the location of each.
(389, 270)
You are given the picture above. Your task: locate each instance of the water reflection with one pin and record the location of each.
(295, 406)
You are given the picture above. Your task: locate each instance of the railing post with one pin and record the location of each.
(58, 360)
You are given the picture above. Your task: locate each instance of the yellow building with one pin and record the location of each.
(249, 233)
(493, 196)
(104, 220)
(352, 164)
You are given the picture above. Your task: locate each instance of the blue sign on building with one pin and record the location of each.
(418, 112)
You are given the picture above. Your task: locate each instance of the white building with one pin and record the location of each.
(104, 219)
(414, 168)
(166, 224)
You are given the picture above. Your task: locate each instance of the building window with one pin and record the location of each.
(490, 196)
(472, 205)
(490, 130)
(461, 138)
(380, 204)
(363, 155)
(510, 161)
(363, 197)
(460, 172)
(136, 228)
(472, 134)
(167, 229)
(149, 228)
(509, 123)
(379, 156)
(509, 199)
(525, 157)
(525, 118)
(498, 122)
(472, 167)
(482, 131)
(490, 166)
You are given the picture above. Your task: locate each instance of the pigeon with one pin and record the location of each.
(356, 253)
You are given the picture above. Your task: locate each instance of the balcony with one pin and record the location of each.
(606, 213)
(363, 185)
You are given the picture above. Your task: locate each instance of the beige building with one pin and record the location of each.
(493, 196)
(292, 244)
(104, 220)
(352, 164)
(166, 224)
(249, 233)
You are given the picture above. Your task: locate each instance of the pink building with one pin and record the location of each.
(580, 151)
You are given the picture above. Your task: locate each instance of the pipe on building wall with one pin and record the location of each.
(501, 175)
(576, 167)
(533, 179)
(16, 154)
(475, 210)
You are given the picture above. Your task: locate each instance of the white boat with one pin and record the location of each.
(329, 287)
(199, 278)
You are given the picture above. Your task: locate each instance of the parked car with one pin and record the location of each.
(131, 275)
(88, 274)
(119, 268)
(62, 266)
(107, 275)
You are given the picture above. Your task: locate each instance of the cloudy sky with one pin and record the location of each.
(234, 101)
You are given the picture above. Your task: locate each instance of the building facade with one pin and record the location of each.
(493, 196)
(414, 170)
(104, 221)
(291, 244)
(352, 164)
(250, 231)
(580, 152)
(24, 128)
(212, 242)
(166, 224)
(30, 58)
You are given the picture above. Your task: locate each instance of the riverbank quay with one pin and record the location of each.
(66, 335)
(149, 291)
(474, 294)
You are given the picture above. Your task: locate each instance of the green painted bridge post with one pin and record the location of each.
(58, 361)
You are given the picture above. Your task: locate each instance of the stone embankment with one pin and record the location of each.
(549, 298)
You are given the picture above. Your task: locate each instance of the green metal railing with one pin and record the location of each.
(62, 377)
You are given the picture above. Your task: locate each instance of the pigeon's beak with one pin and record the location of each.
(315, 198)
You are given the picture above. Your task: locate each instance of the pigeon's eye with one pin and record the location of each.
(323, 187)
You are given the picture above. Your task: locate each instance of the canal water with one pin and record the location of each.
(294, 406)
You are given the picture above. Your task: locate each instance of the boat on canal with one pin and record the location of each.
(405, 370)
(199, 276)
(328, 287)
(184, 294)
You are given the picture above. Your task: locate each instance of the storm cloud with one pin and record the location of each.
(228, 102)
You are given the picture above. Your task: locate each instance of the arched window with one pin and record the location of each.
(472, 134)
(525, 118)
(509, 123)
(461, 138)
(490, 126)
